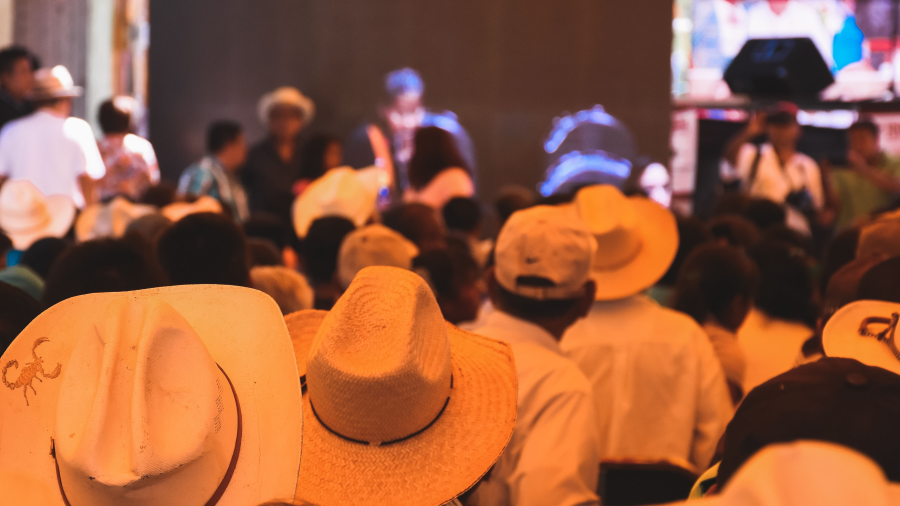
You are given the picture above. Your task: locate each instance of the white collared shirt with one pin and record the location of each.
(797, 20)
(553, 456)
(51, 152)
(772, 181)
(659, 389)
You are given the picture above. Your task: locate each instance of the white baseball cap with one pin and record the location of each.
(545, 252)
(373, 246)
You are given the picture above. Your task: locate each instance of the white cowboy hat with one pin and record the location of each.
(26, 215)
(286, 95)
(178, 210)
(637, 240)
(176, 396)
(864, 331)
(402, 407)
(109, 220)
(340, 192)
(56, 82)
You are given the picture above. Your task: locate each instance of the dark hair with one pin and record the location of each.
(787, 235)
(220, 134)
(10, 55)
(358, 150)
(414, 221)
(114, 117)
(880, 282)
(160, 195)
(531, 309)
(764, 213)
(434, 151)
(6, 244)
(107, 265)
(321, 245)
(403, 81)
(712, 277)
(17, 309)
(735, 230)
(691, 234)
(42, 254)
(839, 253)
(867, 125)
(785, 283)
(271, 227)
(448, 269)
(263, 253)
(205, 248)
(512, 201)
(312, 155)
(462, 213)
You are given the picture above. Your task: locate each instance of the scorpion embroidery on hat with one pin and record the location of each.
(30, 372)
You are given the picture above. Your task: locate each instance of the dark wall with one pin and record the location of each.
(505, 67)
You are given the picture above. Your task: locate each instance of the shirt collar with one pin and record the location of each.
(523, 331)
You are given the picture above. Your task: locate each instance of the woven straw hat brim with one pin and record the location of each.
(841, 338)
(302, 326)
(61, 210)
(659, 236)
(243, 331)
(433, 467)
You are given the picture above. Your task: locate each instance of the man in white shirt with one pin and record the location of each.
(57, 153)
(540, 286)
(783, 19)
(659, 389)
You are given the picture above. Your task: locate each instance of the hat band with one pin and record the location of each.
(383, 443)
(883, 335)
(229, 473)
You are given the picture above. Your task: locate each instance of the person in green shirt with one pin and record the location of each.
(872, 179)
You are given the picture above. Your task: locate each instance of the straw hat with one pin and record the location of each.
(23, 489)
(56, 82)
(176, 396)
(375, 245)
(26, 215)
(340, 192)
(286, 95)
(405, 408)
(865, 331)
(108, 220)
(637, 240)
(178, 210)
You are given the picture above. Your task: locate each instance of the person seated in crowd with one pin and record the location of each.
(373, 246)
(419, 223)
(273, 164)
(43, 254)
(216, 174)
(6, 245)
(880, 282)
(262, 253)
(107, 265)
(54, 151)
(513, 198)
(17, 66)
(540, 286)
(204, 248)
(765, 214)
(733, 230)
(659, 389)
(840, 252)
(320, 153)
(287, 287)
(692, 234)
(783, 316)
(272, 228)
(130, 161)
(455, 279)
(17, 309)
(463, 218)
(871, 182)
(318, 254)
(716, 288)
(437, 172)
(147, 230)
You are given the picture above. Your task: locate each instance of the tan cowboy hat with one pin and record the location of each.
(179, 396)
(178, 210)
(372, 246)
(865, 331)
(56, 82)
(637, 240)
(340, 192)
(286, 95)
(402, 407)
(26, 215)
(98, 221)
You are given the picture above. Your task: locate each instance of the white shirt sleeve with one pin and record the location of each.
(92, 161)
(714, 405)
(6, 145)
(745, 159)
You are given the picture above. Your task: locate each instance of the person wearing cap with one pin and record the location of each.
(540, 286)
(775, 170)
(54, 151)
(274, 164)
(371, 246)
(216, 174)
(659, 388)
(17, 66)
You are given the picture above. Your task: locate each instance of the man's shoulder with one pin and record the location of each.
(544, 369)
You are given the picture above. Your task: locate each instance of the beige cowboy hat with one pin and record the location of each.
(178, 396)
(637, 240)
(402, 407)
(865, 331)
(26, 215)
(340, 192)
(178, 210)
(371, 246)
(98, 221)
(286, 95)
(56, 82)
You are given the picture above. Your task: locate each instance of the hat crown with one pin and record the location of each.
(374, 245)
(22, 206)
(54, 82)
(379, 369)
(144, 415)
(612, 219)
(340, 192)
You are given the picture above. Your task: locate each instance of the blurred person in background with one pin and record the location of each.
(692, 233)
(464, 220)
(318, 254)
(419, 223)
(321, 153)
(271, 228)
(455, 279)
(216, 174)
(17, 66)
(17, 309)
(131, 166)
(205, 248)
(437, 172)
(287, 287)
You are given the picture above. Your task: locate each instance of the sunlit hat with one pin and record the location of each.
(109, 220)
(402, 407)
(26, 215)
(340, 192)
(637, 240)
(865, 331)
(23, 489)
(176, 396)
(56, 82)
(881, 237)
(286, 95)
(374, 245)
(178, 210)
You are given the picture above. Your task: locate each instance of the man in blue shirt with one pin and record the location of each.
(216, 174)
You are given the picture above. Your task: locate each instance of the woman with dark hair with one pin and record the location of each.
(321, 153)
(437, 172)
(131, 166)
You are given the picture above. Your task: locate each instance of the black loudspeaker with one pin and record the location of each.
(779, 69)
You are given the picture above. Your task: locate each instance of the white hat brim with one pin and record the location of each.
(841, 337)
(659, 244)
(61, 210)
(244, 332)
(301, 102)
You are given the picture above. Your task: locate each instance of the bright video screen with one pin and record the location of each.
(858, 39)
